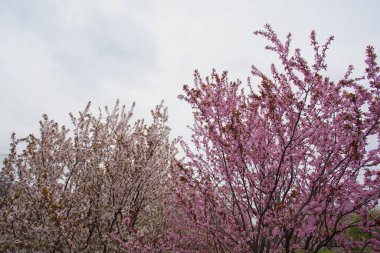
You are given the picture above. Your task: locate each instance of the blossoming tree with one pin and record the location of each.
(73, 191)
(284, 167)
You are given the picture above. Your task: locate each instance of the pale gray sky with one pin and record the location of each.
(56, 55)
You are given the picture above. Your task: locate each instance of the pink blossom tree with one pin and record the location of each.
(284, 168)
(75, 191)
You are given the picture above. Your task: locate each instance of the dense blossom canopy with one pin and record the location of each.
(87, 189)
(287, 167)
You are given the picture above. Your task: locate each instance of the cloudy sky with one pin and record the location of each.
(56, 55)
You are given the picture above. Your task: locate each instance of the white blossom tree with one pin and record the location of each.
(73, 191)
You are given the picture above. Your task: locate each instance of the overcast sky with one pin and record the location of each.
(55, 56)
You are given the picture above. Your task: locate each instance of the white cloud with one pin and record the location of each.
(57, 55)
